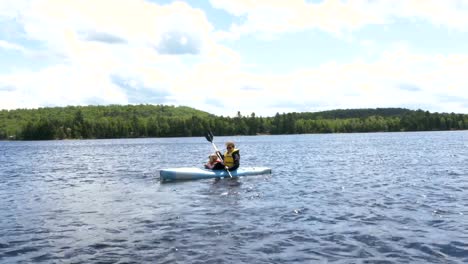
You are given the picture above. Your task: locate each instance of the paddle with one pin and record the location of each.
(209, 136)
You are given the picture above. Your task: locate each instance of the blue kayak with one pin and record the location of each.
(176, 174)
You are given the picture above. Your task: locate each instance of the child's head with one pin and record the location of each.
(213, 157)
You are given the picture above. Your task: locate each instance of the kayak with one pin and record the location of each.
(176, 174)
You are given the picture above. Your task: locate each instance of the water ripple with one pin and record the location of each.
(350, 198)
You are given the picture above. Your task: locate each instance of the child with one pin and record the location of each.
(214, 163)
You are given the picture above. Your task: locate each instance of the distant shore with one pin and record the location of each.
(161, 121)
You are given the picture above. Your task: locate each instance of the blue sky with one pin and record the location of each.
(225, 56)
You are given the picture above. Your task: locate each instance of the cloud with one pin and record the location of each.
(409, 88)
(355, 84)
(64, 26)
(177, 43)
(11, 46)
(170, 54)
(452, 99)
(214, 102)
(223, 87)
(58, 86)
(251, 88)
(336, 16)
(137, 93)
(103, 37)
(7, 88)
(82, 35)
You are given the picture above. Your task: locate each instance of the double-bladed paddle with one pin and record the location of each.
(209, 136)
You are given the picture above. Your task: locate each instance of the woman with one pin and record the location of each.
(231, 157)
(214, 163)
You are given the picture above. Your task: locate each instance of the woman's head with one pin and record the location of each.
(230, 145)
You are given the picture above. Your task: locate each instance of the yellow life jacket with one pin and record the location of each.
(228, 159)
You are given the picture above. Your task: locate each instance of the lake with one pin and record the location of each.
(331, 198)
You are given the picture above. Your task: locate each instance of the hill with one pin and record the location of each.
(128, 121)
(19, 123)
(355, 113)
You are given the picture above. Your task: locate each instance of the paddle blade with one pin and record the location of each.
(209, 137)
(211, 134)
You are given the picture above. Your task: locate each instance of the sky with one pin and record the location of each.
(229, 56)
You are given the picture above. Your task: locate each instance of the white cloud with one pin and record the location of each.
(358, 84)
(11, 46)
(59, 85)
(138, 22)
(338, 17)
(98, 40)
(171, 51)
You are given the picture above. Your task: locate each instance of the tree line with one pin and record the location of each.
(136, 121)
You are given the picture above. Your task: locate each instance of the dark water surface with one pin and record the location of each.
(343, 198)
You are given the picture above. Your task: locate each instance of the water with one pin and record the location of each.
(339, 198)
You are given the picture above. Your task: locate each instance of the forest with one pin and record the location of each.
(139, 121)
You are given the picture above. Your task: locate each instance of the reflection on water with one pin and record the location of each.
(379, 197)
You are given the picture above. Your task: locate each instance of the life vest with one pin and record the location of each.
(228, 159)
